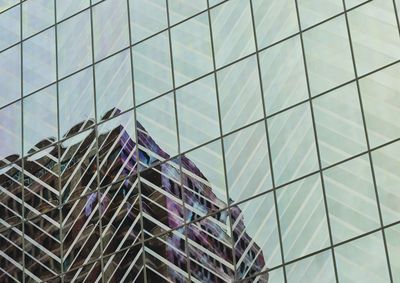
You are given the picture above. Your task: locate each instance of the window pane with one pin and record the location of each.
(232, 31)
(116, 148)
(110, 27)
(152, 68)
(10, 130)
(255, 235)
(40, 109)
(39, 61)
(274, 20)
(339, 124)
(362, 260)
(66, 8)
(10, 27)
(147, 17)
(191, 47)
(293, 147)
(393, 243)
(114, 84)
(375, 35)
(313, 11)
(208, 159)
(10, 75)
(240, 94)
(328, 55)
(157, 119)
(247, 162)
(4, 4)
(76, 101)
(180, 10)
(318, 268)
(351, 199)
(256, 219)
(283, 75)
(386, 162)
(36, 16)
(381, 102)
(74, 44)
(197, 113)
(302, 217)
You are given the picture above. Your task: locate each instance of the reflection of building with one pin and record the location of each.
(129, 209)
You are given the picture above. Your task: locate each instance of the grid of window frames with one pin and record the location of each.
(290, 108)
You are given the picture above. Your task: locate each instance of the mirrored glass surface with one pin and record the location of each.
(247, 162)
(40, 119)
(152, 68)
(239, 94)
(110, 27)
(197, 113)
(302, 217)
(10, 75)
(283, 75)
(74, 44)
(232, 31)
(114, 84)
(10, 130)
(36, 16)
(10, 27)
(274, 20)
(191, 49)
(147, 17)
(39, 61)
(293, 149)
(328, 55)
(76, 102)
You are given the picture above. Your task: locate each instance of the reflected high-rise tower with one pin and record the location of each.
(144, 194)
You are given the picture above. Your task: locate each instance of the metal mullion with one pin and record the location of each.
(22, 146)
(97, 191)
(396, 14)
(368, 142)
(214, 72)
(136, 145)
(59, 148)
(316, 142)
(186, 225)
(268, 140)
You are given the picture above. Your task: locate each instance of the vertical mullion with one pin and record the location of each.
(60, 205)
(137, 144)
(396, 14)
(221, 139)
(186, 226)
(316, 142)
(268, 141)
(22, 142)
(97, 190)
(367, 140)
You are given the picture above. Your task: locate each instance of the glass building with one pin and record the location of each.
(200, 141)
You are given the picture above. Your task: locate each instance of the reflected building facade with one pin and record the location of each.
(199, 141)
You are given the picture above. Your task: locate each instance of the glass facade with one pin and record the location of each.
(200, 141)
